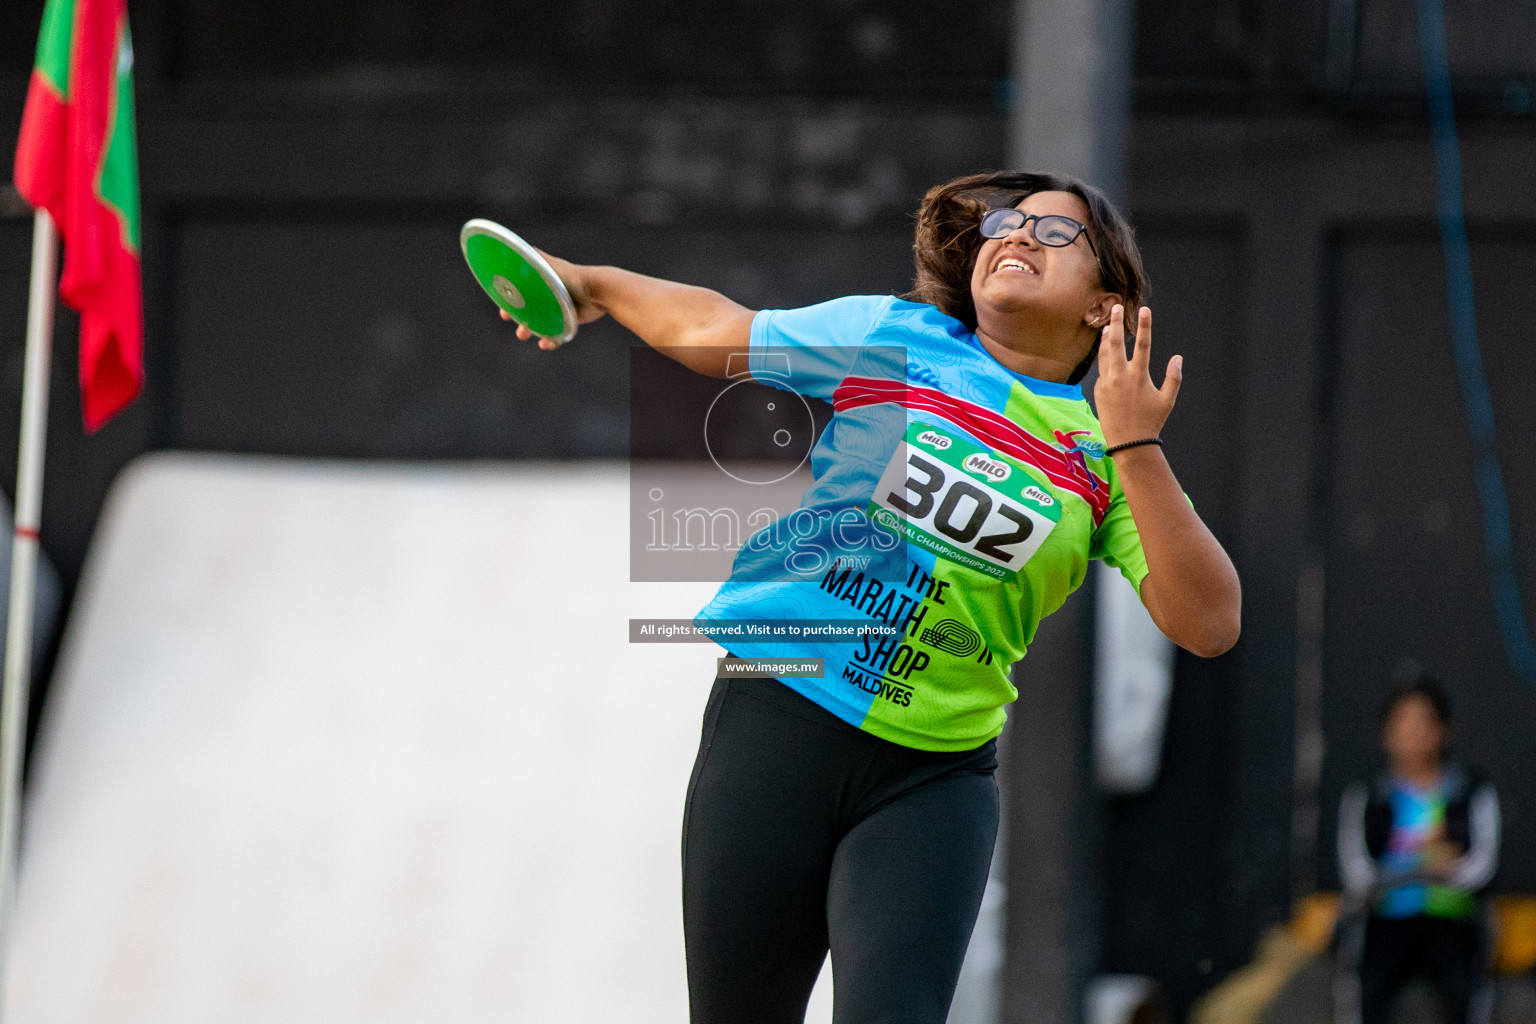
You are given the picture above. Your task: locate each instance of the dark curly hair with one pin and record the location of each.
(948, 240)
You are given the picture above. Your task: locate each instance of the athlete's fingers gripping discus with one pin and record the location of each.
(524, 334)
(519, 280)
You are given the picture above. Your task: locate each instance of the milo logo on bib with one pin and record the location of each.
(987, 467)
(966, 504)
(934, 439)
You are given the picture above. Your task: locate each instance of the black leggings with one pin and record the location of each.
(1449, 954)
(803, 833)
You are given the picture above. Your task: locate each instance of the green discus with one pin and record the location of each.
(519, 280)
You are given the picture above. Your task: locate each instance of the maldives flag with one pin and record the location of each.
(78, 160)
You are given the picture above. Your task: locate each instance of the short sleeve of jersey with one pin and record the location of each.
(1117, 541)
(811, 349)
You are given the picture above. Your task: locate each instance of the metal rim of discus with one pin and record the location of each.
(518, 279)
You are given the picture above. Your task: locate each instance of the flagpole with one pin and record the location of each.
(29, 500)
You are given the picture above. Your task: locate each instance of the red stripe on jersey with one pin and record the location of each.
(1068, 470)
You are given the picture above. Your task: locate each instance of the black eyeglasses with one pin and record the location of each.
(1052, 229)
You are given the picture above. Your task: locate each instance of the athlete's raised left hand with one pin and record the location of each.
(1190, 590)
(1130, 406)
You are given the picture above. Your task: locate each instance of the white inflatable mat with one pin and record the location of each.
(334, 743)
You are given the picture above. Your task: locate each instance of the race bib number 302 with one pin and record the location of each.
(963, 502)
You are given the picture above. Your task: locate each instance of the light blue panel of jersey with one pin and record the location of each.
(811, 350)
(942, 354)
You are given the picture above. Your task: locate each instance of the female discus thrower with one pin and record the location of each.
(857, 811)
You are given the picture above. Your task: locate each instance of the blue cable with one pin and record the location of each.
(1508, 608)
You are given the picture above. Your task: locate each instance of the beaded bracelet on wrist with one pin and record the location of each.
(1134, 444)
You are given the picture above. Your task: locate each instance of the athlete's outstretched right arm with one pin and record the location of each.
(699, 328)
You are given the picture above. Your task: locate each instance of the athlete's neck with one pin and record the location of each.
(1043, 351)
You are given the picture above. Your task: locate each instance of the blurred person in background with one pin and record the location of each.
(859, 809)
(1416, 846)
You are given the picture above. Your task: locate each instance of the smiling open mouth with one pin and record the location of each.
(1013, 265)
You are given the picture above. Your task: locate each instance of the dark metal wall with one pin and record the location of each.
(305, 170)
